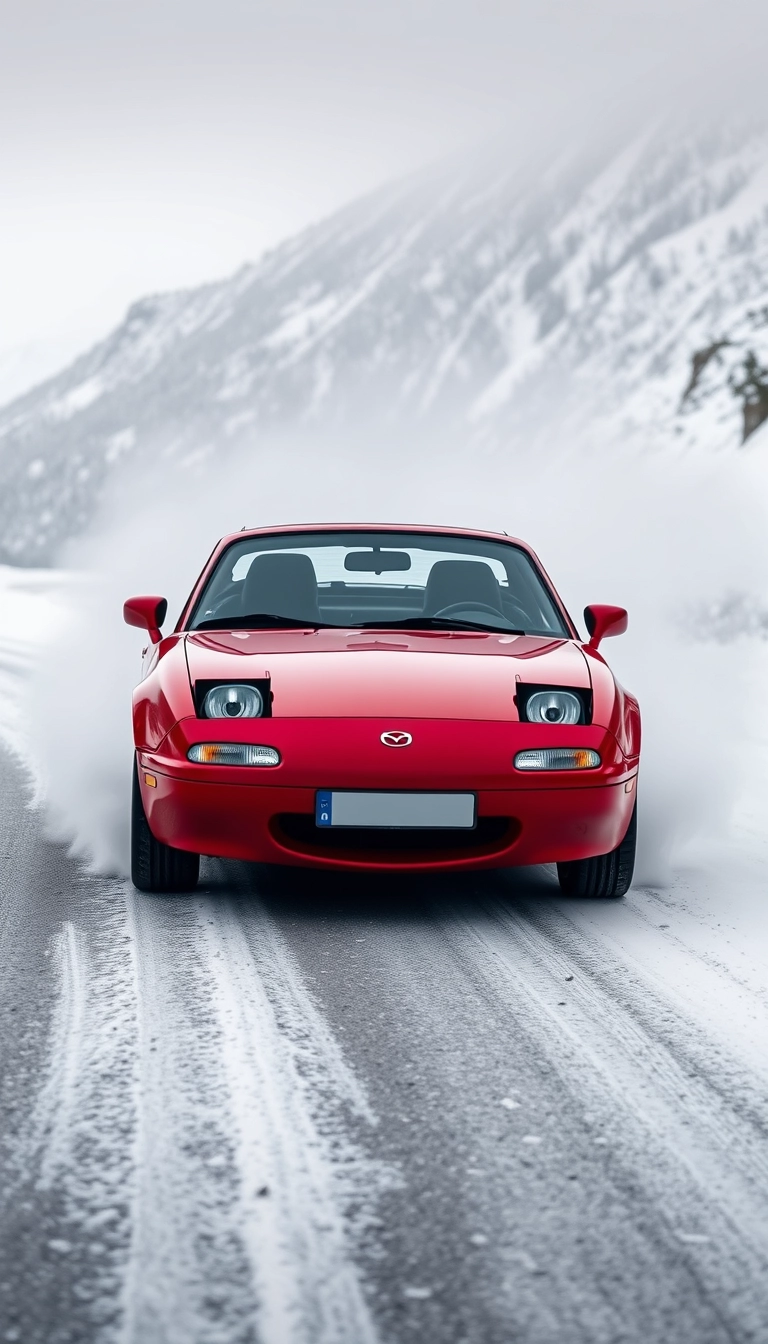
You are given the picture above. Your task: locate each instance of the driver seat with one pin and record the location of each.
(467, 581)
(282, 585)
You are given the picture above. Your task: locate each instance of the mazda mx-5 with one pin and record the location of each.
(381, 698)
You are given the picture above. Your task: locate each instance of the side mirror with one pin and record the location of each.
(602, 621)
(148, 613)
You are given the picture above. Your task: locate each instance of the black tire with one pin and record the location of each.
(607, 875)
(155, 866)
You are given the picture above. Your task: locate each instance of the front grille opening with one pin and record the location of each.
(299, 829)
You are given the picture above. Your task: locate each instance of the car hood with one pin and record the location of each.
(370, 674)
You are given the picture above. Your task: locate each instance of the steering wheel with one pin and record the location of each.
(469, 605)
(229, 604)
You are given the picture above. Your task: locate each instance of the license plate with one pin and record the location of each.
(390, 811)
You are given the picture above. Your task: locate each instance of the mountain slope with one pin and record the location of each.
(567, 296)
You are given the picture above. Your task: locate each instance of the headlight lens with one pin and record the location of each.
(233, 702)
(558, 758)
(232, 753)
(557, 707)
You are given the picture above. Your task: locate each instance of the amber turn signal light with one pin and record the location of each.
(558, 758)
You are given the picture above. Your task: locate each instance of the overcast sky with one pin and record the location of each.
(158, 143)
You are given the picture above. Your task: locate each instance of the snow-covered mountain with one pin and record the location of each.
(624, 292)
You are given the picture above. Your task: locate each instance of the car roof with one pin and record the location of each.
(431, 528)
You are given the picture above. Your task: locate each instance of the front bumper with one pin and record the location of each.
(267, 814)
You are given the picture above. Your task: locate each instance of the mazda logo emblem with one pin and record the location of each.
(396, 739)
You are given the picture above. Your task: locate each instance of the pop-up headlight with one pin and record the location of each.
(235, 701)
(556, 707)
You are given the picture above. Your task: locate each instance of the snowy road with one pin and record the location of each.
(295, 1109)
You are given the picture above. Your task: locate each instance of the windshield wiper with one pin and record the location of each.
(440, 623)
(261, 620)
(267, 620)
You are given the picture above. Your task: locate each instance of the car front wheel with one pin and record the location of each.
(155, 866)
(605, 875)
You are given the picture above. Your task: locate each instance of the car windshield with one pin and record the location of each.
(377, 579)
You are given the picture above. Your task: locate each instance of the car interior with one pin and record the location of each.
(285, 584)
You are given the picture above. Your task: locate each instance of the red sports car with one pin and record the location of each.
(381, 698)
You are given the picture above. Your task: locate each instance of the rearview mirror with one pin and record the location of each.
(602, 621)
(148, 613)
(377, 562)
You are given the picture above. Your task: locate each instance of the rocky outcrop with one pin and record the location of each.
(750, 385)
(699, 362)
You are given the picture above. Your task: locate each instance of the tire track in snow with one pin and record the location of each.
(55, 1119)
(79, 1142)
(651, 1024)
(200, 1159)
(747, 982)
(250, 1191)
(649, 1082)
(305, 1280)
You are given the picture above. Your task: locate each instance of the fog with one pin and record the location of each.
(151, 145)
(665, 538)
